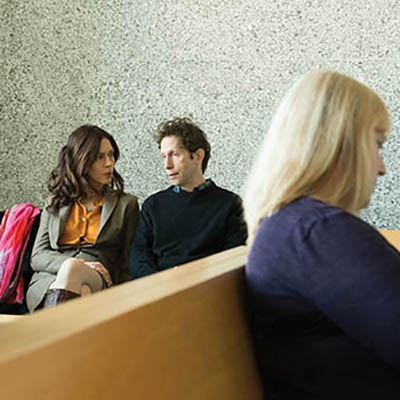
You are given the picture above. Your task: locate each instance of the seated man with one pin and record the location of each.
(193, 218)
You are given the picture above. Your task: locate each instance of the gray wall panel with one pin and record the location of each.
(127, 65)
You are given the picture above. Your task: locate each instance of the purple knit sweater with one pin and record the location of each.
(324, 299)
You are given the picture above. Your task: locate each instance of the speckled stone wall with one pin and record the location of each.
(127, 65)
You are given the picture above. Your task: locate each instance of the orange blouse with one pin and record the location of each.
(82, 226)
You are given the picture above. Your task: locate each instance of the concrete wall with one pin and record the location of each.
(126, 65)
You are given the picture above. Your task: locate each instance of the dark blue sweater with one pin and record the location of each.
(178, 227)
(324, 297)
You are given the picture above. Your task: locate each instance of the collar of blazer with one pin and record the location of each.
(58, 223)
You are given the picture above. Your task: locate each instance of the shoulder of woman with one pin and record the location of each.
(128, 198)
(344, 228)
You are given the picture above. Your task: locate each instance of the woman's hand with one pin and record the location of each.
(102, 270)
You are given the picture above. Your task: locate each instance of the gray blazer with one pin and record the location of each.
(118, 221)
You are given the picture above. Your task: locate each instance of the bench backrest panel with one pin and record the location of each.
(180, 334)
(392, 236)
(158, 342)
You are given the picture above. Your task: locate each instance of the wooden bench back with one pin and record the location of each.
(179, 334)
(392, 236)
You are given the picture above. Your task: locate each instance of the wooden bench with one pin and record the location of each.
(179, 334)
(392, 236)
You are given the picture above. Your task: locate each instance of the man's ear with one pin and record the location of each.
(199, 156)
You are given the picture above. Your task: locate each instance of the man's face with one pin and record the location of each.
(182, 168)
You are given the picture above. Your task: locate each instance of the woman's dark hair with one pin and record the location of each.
(190, 135)
(69, 180)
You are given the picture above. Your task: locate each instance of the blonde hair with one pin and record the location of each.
(318, 144)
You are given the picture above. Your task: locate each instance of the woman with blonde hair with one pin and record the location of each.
(85, 232)
(323, 285)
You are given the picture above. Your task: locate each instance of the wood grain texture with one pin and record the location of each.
(179, 334)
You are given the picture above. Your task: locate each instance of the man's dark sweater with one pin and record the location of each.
(176, 227)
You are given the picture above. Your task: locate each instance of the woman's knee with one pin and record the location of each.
(71, 267)
(69, 276)
(74, 273)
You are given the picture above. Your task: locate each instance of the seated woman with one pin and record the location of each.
(324, 286)
(83, 241)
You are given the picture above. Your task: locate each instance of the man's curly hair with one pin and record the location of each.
(190, 135)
